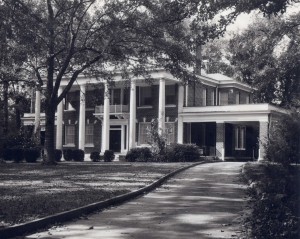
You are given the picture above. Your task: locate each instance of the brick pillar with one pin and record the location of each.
(220, 141)
(263, 138)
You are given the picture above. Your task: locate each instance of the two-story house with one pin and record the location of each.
(217, 114)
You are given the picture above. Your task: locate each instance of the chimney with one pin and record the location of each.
(198, 59)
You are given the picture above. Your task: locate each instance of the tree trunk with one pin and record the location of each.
(49, 156)
(5, 107)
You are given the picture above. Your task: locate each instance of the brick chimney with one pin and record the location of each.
(198, 59)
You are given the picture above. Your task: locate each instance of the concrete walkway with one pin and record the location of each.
(202, 202)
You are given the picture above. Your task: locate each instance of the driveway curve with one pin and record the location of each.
(205, 201)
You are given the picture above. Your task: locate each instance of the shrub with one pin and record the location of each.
(95, 156)
(7, 154)
(139, 155)
(31, 154)
(17, 154)
(68, 154)
(109, 155)
(78, 155)
(284, 140)
(58, 155)
(182, 153)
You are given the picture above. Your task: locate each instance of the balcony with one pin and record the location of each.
(113, 109)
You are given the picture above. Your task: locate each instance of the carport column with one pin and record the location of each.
(81, 141)
(37, 114)
(105, 122)
(220, 140)
(161, 106)
(132, 115)
(263, 138)
(59, 122)
(180, 119)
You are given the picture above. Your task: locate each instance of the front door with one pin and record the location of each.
(115, 140)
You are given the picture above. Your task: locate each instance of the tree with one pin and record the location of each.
(267, 56)
(69, 38)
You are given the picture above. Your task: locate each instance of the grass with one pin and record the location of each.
(31, 191)
(274, 201)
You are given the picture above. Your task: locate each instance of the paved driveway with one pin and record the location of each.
(202, 202)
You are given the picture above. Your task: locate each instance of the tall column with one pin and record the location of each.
(180, 119)
(122, 138)
(263, 139)
(161, 106)
(220, 140)
(59, 122)
(81, 139)
(37, 114)
(132, 115)
(105, 122)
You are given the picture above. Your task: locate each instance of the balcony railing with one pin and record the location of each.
(115, 109)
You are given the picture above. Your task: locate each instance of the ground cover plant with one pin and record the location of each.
(274, 201)
(25, 189)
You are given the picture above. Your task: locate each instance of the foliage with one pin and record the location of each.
(78, 155)
(142, 154)
(68, 154)
(283, 145)
(95, 156)
(274, 200)
(17, 154)
(267, 56)
(58, 155)
(157, 139)
(109, 155)
(31, 154)
(182, 153)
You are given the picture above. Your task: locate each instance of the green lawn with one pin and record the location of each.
(31, 191)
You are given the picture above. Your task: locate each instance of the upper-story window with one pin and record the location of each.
(115, 96)
(145, 96)
(223, 100)
(170, 95)
(204, 97)
(238, 98)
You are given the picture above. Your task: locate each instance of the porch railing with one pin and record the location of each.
(115, 109)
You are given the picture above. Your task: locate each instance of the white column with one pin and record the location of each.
(37, 113)
(59, 122)
(180, 98)
(81, 139)
(122, 138)
(180, 130)
(105, 122)
(161, 106)
(132, 115)
(180, 119)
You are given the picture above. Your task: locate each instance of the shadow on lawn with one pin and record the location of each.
(197, 204)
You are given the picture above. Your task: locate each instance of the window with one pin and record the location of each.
(145, 98)
(170, 95)
(70, 134)
(223, 98)
(170, 132)
(238, 98)
(240, 137)
(204, 95)
(212, 98)
(115, 96)
(89, 134)
(143, 133)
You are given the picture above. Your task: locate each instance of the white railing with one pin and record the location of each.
(112, 109)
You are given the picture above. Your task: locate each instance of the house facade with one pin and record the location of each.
(217, 114)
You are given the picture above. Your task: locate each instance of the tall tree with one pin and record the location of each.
(267, 56)
(67, 38)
